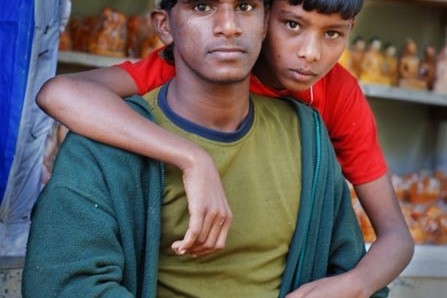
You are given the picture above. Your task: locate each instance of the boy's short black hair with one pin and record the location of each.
(167, 4)
(347, 8)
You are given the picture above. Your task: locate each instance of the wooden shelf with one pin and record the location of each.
(428, 261)
(86, 59)
(432, 3)
(11, 262)
(407, 95)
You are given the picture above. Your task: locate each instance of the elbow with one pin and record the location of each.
(407, 244)
(49, 94)
(410, 244)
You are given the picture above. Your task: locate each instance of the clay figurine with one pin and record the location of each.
(372, 64)
(391, 64)
(409, 67)
(357, 53)
(440, 84)
(110, 36)
(427, 68)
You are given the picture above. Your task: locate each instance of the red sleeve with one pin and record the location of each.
(150, 72)
(351, 126)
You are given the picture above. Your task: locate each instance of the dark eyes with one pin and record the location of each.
(333, 34)
(206, 7)
(202, 7)
(245, 7)
(295, 26)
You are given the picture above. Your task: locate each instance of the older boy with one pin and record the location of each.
(99, 232)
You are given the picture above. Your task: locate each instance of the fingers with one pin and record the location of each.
(215, 240)
(205, 234)
(210, 214)
(211, 227)
(193, 232)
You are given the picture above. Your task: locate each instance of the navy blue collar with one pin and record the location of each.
(202, 131)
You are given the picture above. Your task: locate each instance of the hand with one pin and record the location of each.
(339, 286)
(208, 207)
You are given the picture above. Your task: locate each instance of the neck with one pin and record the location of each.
(218, 106)
(264, 74)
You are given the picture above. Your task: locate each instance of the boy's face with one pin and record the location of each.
(216, 40)
(301, 46)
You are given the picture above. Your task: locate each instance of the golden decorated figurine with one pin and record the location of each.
(391, 64)
(372, 64)
(109, 38)
(440, 85)
(346, 61)
(357, 53)
(409, 67)
(427, 69)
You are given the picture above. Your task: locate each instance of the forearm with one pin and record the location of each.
(384, 261)
(393, 249)
(92, 110)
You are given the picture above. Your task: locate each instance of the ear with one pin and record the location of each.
(160, 23)
(352, 23)
(266, 21)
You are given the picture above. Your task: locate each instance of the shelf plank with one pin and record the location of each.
(11, 262)
(430, 3)
(429, 261)
(408, 95)
(87, 59)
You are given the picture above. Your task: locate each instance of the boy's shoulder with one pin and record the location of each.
(338, 75)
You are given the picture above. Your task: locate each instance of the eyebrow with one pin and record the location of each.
(342, 24)
(216, 1)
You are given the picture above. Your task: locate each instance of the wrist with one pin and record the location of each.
(360, 283)
(191, 155)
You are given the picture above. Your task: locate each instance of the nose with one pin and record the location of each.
(227, 22)
(310, 48)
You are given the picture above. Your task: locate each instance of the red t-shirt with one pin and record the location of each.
(337, 96)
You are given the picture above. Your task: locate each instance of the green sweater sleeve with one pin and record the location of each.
(327, 240)
(74, 249)
(88, 233)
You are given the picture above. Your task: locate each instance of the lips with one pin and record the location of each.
(226, 49)
(227, 52)
(303, 75)
(306, 72)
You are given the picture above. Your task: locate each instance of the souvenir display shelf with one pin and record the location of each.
(88, 60)
(426, 2)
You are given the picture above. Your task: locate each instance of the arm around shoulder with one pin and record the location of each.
(69, 91)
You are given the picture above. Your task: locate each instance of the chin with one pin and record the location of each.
(297, 86)
(229, 78)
